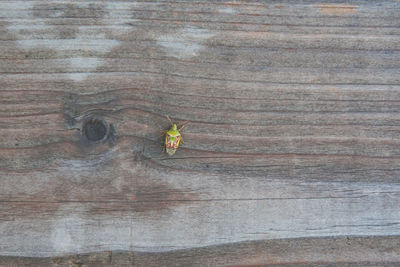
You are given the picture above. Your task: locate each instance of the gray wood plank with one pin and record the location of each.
(292, 140)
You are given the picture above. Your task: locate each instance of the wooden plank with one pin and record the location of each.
(346, 251)
(292, 141)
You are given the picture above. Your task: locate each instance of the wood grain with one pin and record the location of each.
(343, 251)
(292, 140)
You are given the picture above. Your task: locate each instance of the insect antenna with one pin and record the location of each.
(168, 118)
(182, 125)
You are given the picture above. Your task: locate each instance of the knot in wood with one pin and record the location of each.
(95, 129)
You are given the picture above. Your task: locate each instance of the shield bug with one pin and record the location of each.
(173, 137)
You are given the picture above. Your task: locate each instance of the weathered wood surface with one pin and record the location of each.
(293, 132)
(345, 251)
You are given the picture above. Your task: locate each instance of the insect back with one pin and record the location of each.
(173, 138)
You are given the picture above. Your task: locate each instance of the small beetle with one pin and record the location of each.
(173, 137)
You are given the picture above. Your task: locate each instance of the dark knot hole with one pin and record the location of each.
(95, 129)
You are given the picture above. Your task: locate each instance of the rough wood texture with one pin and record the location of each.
(349, 251)
(293, 132)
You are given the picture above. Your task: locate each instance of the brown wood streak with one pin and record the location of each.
(293, 132)
(346, 251)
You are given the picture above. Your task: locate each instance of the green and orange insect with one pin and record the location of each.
(173, 137)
